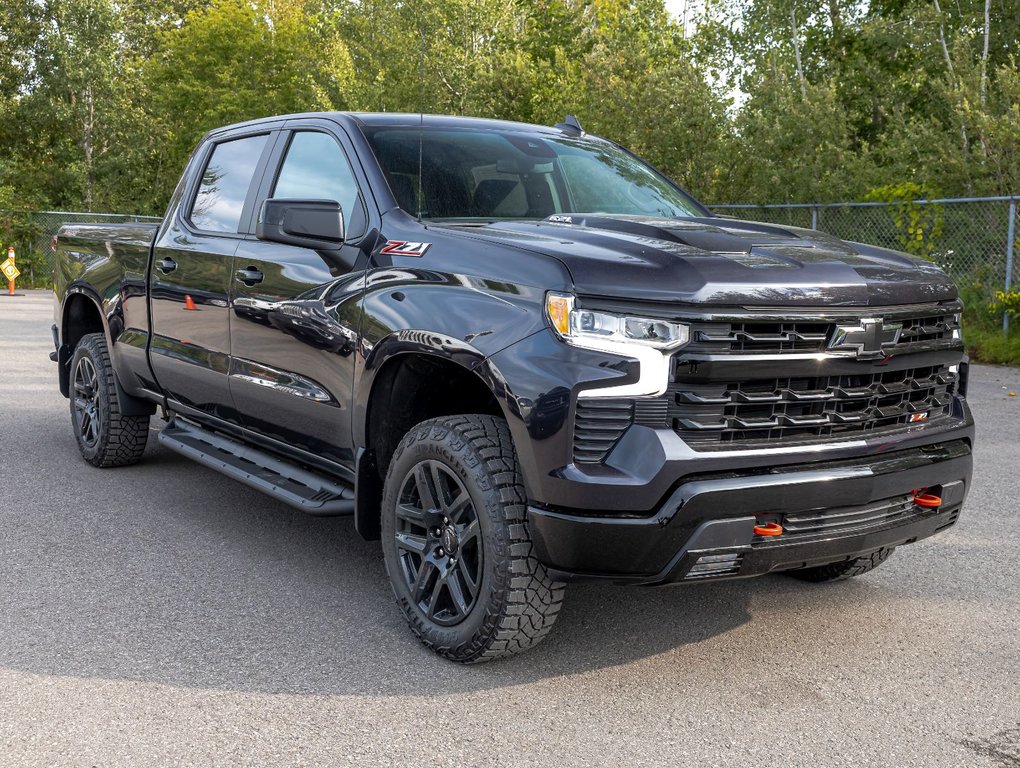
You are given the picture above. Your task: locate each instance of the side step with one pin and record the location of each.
(294, 485)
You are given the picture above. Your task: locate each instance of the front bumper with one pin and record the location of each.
(833, 511)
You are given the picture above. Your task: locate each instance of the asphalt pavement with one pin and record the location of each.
(161, 614)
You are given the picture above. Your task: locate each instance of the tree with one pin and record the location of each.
(237, 60)
(101, 101)
(62, 115)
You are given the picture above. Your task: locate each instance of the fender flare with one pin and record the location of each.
(368, 486)
(431, 343)
(129, 405)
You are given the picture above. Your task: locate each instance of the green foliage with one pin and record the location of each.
(237, 60)
(990, 345)
(19, 229)
(754, 101)
(982, 321)
(920, 226)
(1007, 302)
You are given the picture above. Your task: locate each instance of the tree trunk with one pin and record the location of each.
(834, 16)
(88, 124)
(954, 84)
(796, 51)
(984, 53)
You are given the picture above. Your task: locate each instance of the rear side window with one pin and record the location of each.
(225, 183)
(315, 168)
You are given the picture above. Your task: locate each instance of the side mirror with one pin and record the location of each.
(317, 224)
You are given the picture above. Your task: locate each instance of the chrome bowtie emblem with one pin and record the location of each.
(868, 338)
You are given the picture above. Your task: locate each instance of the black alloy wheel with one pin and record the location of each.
(439, 543)
(86, 402)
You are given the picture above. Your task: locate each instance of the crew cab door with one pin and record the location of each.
(295, 320)
(191, 275)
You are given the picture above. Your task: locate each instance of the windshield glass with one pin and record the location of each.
(488, 174)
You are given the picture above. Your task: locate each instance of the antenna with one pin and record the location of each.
(421, 104)
(570, 124)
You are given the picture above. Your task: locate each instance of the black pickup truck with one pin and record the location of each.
(519, 356)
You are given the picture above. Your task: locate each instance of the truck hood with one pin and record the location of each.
(722, 261)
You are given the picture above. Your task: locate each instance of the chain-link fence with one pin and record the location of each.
(973, 239)
(31, 234)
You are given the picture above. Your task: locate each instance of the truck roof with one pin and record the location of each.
(402, 119)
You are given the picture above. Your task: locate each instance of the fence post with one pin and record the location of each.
(1011, 236)
(814, 217)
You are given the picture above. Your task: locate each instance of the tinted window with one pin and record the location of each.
(225, 184)
(315, 168)
(470, 173)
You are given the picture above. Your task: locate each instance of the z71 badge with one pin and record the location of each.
(403, 248)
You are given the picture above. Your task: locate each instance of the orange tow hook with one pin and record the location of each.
(929, 500)
(768, 529)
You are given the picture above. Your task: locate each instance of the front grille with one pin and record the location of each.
(764, 337)
(812, 335)
(929, 328)
(754, 377)
(806, 407)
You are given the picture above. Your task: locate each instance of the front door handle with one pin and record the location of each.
(249, 276)
(166, 265)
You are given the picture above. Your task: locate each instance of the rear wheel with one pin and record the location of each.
(106, 438)
(456, 542)
(841, 571)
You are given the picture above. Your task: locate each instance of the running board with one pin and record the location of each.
(281, 479)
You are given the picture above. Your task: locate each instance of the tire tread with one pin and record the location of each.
(529, 600)
(122, 438)
(846, 569)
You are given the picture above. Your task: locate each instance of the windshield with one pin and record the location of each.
(488, 174)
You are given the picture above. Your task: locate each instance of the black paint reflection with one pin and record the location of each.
(308, 320)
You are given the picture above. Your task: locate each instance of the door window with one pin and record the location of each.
(225, 183)
(315, 168)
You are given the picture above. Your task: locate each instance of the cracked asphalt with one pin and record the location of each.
(163, 615)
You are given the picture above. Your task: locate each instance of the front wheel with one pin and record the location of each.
(106, 437)
(456, 541)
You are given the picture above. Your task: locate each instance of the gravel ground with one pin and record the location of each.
(163, 615)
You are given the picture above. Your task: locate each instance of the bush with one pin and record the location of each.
(982, 322)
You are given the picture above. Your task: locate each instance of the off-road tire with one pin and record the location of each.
(118, 440)
(843, 570)
(516, 602)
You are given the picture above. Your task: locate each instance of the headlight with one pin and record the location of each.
(594, 327)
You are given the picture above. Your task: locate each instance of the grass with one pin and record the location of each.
(982, 324)
(990, 345)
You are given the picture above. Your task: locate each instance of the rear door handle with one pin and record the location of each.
(167, 265)
(249, 276)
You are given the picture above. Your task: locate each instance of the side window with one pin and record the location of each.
(315, 168)
(225, 183)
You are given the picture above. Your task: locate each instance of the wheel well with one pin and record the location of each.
(409, 389)
(414, 387)
(81, 317)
